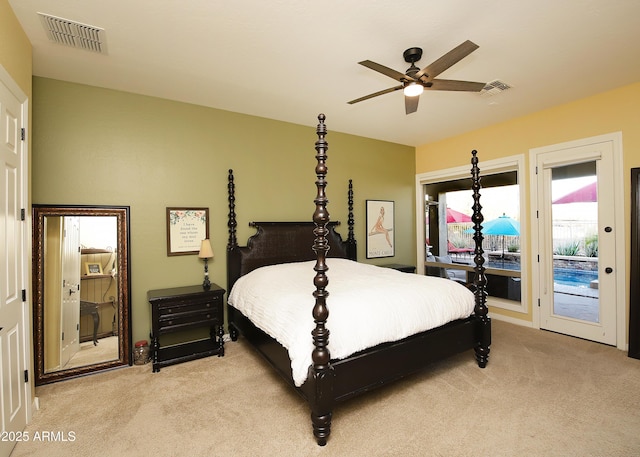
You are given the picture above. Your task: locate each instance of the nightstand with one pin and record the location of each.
(181, 309)
(400, 267)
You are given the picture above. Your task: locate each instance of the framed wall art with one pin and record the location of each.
(380, 221)
(186, 228)
(92, 268)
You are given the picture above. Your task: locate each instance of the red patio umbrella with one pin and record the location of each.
(456, 216)
(586, 194)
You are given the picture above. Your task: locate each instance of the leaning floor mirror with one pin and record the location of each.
(80, 290)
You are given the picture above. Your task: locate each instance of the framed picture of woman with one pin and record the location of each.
(380, 220)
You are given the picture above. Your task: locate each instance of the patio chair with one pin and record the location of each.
(454, 250)
(449, 273)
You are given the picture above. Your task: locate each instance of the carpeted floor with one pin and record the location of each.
(105, 350)
(542, 394)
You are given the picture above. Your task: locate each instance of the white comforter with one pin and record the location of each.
(368, 305)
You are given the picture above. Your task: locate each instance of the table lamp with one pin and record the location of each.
(206, 253)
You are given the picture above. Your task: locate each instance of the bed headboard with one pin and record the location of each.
(281, 242)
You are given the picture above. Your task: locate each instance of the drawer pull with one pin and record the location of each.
(208, 316)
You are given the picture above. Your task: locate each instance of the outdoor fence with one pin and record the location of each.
(569, 238)
(575, 238)
(460, 239)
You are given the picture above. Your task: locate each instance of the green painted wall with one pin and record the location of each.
(94, 146)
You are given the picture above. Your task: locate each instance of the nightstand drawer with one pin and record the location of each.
(184, 321)
(183, 307)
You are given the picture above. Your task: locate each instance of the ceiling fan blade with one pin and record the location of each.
(449, 59)
(401, 77)
(382, 92)
(448, 84)
(411, 104)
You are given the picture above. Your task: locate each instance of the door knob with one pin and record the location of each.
(608, 270)
(608, 229)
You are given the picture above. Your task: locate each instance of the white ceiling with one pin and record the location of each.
(292, 59)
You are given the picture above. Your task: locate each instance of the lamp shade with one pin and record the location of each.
(205, 250)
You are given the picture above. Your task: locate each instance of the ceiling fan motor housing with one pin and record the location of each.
(412, 55)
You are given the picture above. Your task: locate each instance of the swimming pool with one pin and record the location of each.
(574, 278)
(562, 276)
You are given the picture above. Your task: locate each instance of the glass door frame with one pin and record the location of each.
(537, 281)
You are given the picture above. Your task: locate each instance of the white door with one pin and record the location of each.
(15, 392)
(578, 269)
(70, 315)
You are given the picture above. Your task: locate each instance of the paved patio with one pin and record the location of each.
(584, 306)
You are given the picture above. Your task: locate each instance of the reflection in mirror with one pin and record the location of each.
(81, 290)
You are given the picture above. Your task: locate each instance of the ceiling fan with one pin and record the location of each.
(414, 81)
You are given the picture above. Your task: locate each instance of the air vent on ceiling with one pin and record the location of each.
(74, 34)
(494, 88)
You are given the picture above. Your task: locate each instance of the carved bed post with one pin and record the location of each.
(321, 373)
(232, 224)
(483, 337)
(232, 245)
(352, 246)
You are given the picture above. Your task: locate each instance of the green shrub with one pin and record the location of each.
(458, 242)
(591, 246)
(571, 248)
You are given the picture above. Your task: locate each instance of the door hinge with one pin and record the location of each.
(538, 303)
(23, 215)
(24, 294)
(62, 336)
(26, 375)
(22, 134)
(78, 327)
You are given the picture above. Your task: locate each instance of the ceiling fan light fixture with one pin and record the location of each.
(413, 89)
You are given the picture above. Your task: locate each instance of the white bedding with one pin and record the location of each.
(368, 305)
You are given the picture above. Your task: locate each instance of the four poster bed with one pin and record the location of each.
(313, 256)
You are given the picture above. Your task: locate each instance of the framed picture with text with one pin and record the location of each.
(92, 268)
(380, 220)
(186, 228)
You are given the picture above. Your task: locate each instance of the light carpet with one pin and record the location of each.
(542, 394)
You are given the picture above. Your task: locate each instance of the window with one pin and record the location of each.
(448, 230)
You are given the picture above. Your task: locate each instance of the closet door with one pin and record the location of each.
(634, 293)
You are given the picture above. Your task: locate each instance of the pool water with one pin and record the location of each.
(574, 278)
(561, 276)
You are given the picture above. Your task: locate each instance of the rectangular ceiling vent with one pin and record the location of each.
(74, 34)
(494, 88)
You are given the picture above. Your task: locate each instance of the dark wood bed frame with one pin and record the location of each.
(330, 381)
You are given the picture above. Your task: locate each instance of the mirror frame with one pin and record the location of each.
(124, 293)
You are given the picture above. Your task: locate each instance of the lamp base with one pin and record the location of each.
(206, 285)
